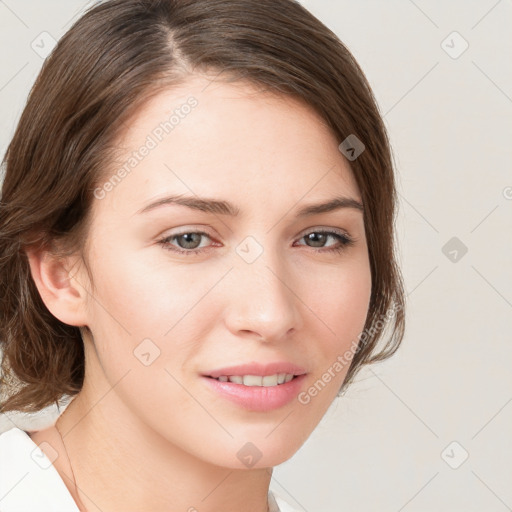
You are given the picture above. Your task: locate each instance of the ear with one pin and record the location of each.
(62, 293)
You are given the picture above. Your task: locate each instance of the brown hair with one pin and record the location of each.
(113, 59)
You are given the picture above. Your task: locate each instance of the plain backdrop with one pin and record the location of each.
(428, 430)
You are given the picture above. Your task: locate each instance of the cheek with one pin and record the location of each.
(156, 307)
(340, 297)
(150, 295)
(144, 324)
(354, 301)
(340, 305)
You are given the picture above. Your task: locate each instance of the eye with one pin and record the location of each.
(189, 242)
(320, 236)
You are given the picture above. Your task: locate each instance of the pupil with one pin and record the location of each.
(188, 237)
(313, 237)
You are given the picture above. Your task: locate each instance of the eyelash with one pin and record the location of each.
(344, 240)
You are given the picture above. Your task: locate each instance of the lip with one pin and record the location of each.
(257, 398)
(263, 369)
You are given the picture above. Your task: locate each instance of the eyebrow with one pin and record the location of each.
(220, 207)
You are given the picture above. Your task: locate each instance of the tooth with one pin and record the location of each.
(252, 380)
(270, 380)
(258, 380)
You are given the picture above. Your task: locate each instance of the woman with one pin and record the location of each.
(197, 247)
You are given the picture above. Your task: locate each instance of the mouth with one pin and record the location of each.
(257, 387)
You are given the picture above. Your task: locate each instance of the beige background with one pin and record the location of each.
(392, 443)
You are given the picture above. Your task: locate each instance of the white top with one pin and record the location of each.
(30, 483)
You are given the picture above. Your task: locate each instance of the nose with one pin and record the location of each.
(262, 302)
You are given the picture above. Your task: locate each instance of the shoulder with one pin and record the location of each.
(28, 479)
(15, 444)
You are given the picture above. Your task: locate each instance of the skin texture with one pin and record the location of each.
(155, 437)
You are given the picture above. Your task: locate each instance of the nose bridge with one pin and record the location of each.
(264, 302)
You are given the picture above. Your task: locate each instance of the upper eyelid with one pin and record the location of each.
(302, 233)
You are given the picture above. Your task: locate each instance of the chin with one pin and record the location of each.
(260, 450)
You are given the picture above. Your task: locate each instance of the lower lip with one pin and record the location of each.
(258, 398)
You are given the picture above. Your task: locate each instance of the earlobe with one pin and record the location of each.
(60, 291)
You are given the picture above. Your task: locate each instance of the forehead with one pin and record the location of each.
(216, 138)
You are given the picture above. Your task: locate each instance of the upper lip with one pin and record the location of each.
(262, 369)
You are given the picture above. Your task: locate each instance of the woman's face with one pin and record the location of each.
(183, 291)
